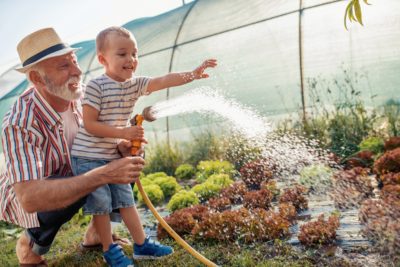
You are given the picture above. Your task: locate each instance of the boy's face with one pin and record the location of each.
(120, 57)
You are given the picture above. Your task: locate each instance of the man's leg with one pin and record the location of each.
(24, 251)
(37, 241)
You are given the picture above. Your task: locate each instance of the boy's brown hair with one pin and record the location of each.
(101, 39)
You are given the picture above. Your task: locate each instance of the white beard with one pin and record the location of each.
(62, 91)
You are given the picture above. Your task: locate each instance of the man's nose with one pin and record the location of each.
(76, 71)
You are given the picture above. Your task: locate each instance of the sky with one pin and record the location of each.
(74, 20)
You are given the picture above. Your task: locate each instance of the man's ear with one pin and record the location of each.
(35, 78)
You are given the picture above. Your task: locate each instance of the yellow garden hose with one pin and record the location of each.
(171, 231)
(135, 147)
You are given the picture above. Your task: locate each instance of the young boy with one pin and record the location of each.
(107, 106)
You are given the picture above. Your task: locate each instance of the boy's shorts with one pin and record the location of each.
(104, 199)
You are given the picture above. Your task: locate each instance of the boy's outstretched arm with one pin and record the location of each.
(180, 78)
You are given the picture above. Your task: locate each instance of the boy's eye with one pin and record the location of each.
(121, 54)
(134, 55)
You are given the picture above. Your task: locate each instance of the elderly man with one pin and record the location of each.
(37, 189)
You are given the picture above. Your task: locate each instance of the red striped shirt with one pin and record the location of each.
(34, 148)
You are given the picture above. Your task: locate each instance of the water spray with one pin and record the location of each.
(148, 115)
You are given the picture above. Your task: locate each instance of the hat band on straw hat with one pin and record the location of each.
(44, 53)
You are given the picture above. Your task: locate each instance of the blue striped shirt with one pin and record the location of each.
(114, 101)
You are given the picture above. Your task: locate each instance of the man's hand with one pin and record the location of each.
(125, 146)
(120, 171)
(198, 73)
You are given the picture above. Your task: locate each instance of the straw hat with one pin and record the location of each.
(40, 45)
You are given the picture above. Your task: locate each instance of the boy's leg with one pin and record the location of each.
(131, 218)
(103, 228)
(144, 247)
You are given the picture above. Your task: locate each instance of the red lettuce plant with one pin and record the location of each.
(295, 196)
(254, 173)
(257, 199)
(319, 232)
(235, 192)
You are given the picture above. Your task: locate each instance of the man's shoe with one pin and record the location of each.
(150, 249)
(115, 257)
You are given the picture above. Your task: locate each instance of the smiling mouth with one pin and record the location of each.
(74, 86)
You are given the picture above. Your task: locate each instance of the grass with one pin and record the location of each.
(65, 252)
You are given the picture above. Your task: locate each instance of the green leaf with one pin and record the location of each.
(357, 9)
(346, 14)
(351, 13)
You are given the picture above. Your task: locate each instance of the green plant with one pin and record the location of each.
(168, 185)
(144, 181)
(220, 179)
(206, 190)
(391, 110)
(353, 12)
(163, 157)
(185, 171)
(182, 199)
(208, 168)
(154, 193)
(81, 219)
(240, 150)
(373, 144)
(316, 178)
(204, 145)
(153, 176)
(336, 115)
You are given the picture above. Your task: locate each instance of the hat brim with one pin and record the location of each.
(61, 52)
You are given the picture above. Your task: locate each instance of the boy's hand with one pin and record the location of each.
(198, 73)
(134, 133)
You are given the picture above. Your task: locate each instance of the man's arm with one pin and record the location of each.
(176, 79)
(51, 194)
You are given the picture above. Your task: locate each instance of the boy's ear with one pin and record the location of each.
(101, 59)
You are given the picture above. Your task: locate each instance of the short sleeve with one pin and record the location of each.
(24, 160)
(142, 84)
(92, 95)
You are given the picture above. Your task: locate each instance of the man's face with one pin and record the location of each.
(62, 77)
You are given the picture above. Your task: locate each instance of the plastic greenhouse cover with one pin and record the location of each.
(257, 45)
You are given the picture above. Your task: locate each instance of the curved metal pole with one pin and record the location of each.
(172, 58)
